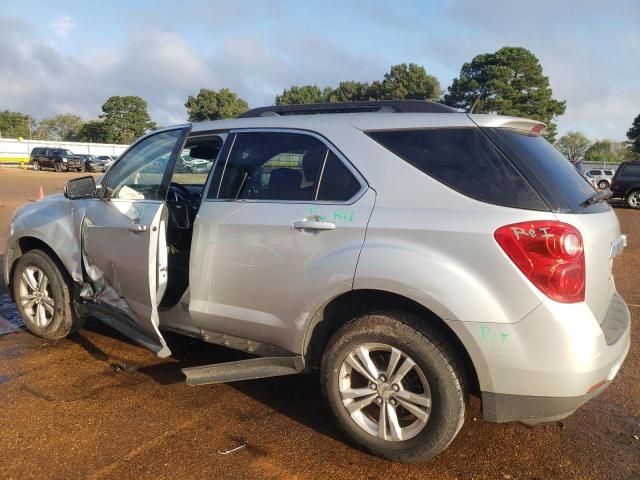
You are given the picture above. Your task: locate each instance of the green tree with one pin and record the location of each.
(633, 134)
(61, 127)
(350, 91)
(605, 151)
(94, 131)
(15, 124)
(508, 82)
(573, 145)
(303, 94)
(407, 82)
(125, 118)
(214, 105)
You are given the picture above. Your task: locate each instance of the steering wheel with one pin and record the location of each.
(185, 195)
(180, 213)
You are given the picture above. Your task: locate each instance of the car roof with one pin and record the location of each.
(370, 121)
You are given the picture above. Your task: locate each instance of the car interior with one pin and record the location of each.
(183, 201)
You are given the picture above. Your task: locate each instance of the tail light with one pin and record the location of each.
(550, 254)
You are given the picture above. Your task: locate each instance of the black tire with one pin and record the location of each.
(633, 199)
(36, 165)
(432, 354)
(602, 184)
(64, 319)
(58, 167)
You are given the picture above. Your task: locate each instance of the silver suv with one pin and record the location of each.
(413, 254)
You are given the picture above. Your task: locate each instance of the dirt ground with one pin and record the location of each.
(96, 406)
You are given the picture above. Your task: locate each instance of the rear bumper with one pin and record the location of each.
(548, 364)
(500, 407)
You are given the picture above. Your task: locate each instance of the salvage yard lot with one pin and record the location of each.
(96, 406)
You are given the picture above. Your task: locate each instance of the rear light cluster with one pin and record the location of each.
(550, 254)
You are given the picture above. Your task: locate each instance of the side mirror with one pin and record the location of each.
(83, 187)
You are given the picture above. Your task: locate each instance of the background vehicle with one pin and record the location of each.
(59, 159)
(93, 164)
(413, 258)
(601, 177)
(626, 183)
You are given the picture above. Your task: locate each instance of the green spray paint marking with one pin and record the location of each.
(492, 339)
(344, 215)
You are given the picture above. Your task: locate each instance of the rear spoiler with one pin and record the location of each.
(532, 127)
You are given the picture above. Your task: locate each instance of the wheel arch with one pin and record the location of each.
(339, 310)
(25, 244)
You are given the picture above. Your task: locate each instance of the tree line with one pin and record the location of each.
(510, 81)
(577, 147)
(123, 119)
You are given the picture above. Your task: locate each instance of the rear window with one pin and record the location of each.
(465, 160)
(551, 174)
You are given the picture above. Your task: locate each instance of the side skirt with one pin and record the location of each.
(244, 370)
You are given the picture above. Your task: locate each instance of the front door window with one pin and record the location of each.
(139, 175)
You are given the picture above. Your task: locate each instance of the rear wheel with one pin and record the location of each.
(633, 199)
(394, 386)
(43, 296)
(602, 184)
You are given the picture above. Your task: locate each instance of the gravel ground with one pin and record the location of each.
(96, 406)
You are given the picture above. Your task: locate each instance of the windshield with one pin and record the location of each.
(64, 152)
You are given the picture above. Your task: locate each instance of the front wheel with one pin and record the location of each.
(58, 167)
(36, 166)
(43, 296)
(633, 199)
(394, 386)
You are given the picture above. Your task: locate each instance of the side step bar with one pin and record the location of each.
(244, 370)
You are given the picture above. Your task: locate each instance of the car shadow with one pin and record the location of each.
(297, 397)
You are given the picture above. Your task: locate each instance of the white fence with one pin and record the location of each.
(13, 150)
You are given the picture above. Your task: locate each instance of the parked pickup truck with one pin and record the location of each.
(411, 253)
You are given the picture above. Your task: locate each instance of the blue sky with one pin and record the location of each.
(69, 56)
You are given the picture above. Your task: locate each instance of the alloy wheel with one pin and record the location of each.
(385, 392)
(36, 297)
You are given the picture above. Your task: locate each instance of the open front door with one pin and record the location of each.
(121, 235)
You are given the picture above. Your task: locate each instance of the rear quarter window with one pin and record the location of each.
(563, 188)
(465, 160)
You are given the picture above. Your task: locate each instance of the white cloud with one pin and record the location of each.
(62, 25)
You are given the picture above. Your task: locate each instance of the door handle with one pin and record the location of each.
(137, 227)
(313, 225)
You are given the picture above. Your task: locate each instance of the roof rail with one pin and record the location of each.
(388, 106)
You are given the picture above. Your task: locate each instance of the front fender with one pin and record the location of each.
(54, 221)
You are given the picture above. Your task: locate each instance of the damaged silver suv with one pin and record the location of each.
(413, 254)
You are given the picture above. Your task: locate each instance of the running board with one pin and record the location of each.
(250, 369)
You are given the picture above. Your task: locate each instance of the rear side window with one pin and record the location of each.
(465, 160)
(552, 175)
(273, 166)
(280, 166)
(630, 171)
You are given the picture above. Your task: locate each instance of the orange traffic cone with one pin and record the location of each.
(41, 193)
